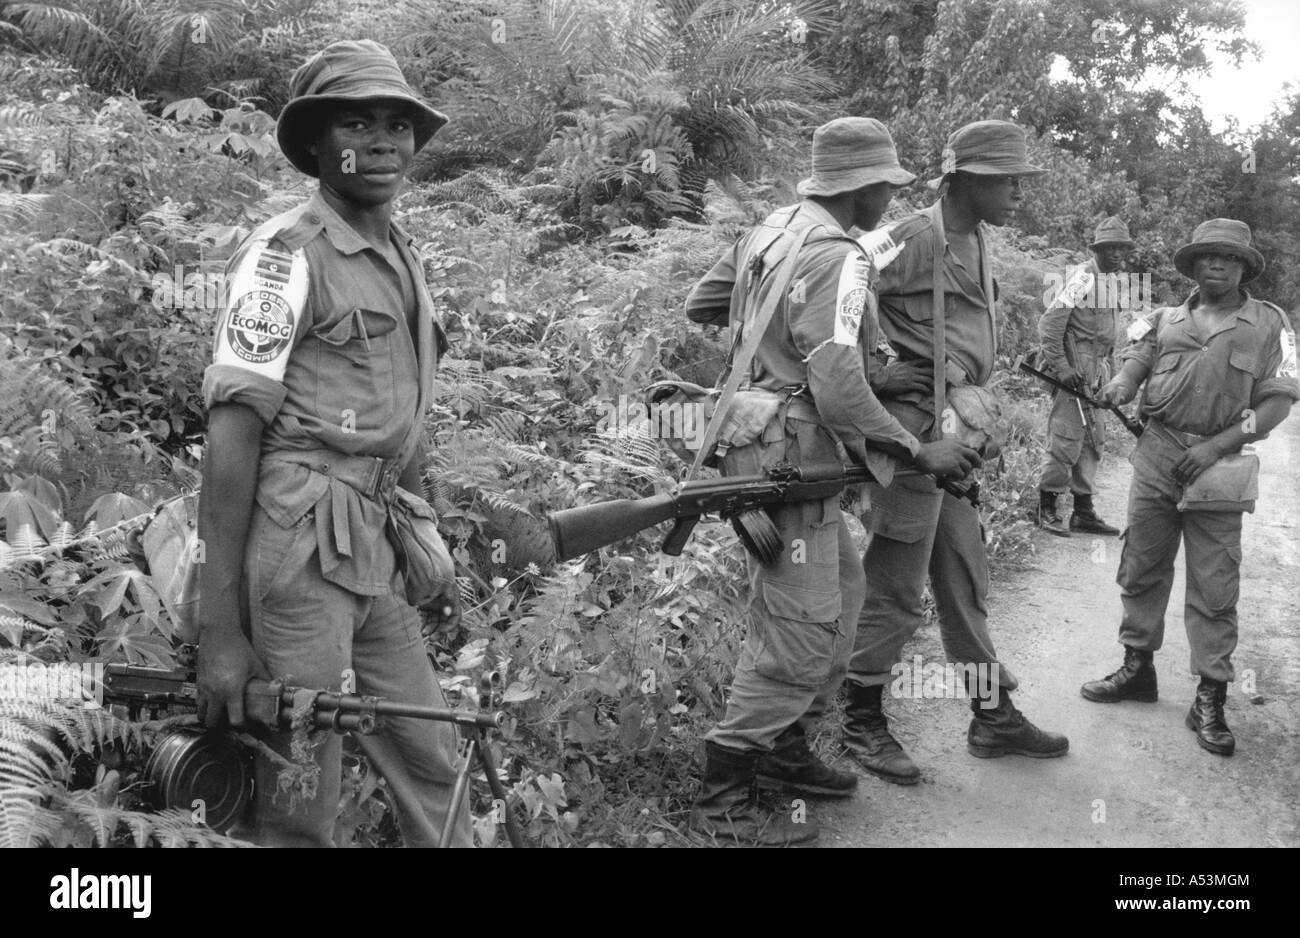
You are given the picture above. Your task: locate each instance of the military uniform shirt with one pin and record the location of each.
(1202, 384)
(316, 339)
(1078, 311)
(819, 335)
(907, 304)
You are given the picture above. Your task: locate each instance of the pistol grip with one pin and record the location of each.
(679, 535)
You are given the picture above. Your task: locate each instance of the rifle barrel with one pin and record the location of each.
(351, 703)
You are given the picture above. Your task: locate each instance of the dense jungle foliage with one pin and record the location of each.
(600, 156)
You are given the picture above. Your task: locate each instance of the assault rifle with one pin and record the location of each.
(1133, 426)
(576, 531)
(207, 765)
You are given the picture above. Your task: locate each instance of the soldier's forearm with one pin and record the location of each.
(230, 471)
(1254, 425)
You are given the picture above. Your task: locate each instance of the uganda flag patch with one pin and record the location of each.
(273, 267)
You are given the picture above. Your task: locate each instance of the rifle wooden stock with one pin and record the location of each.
(577, 531)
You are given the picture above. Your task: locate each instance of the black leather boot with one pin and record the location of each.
(791, 764)
(1085, 519)
(865, 735)
(1003, 730)
(728, 806)
(1206, 718)
(1046, 516)
(1135, 680)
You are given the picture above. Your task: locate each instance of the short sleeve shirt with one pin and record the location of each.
(1201, 384)
(315, 337)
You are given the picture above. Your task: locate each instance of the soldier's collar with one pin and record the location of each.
(341, 235)
(815, 213)
(1246, 312)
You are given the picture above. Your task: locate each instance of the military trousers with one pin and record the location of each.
(1073, 451)
(313, 633)
(918, 529)
(800, 618)
(1146, 568)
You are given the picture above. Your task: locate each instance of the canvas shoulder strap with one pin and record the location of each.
(752, 332)
(938, 278)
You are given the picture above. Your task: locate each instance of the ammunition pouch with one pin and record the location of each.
(979, 419)
(422, 557)
(1231, 484)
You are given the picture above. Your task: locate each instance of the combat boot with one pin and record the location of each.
(1135, 680)
(1206, 718)
(865, 735)
(728, 806)
(1085, 519)
(791, 764)
(1003, 730)
(1046, 516)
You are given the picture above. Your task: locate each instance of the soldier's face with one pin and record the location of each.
(995, 199)
(365, 150)
(870, 203)
(1218, 274)
(1111, 257)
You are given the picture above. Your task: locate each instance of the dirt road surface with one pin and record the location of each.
(1134, 776)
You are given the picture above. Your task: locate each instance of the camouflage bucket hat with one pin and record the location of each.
(849, 153)
(348, 71)
(1111, 231)
(987, 148)
(1220, 236)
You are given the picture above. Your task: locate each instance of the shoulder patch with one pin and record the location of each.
(851, 299)
(1078, 284)
(881, 246)
(1286, 339)
(1138, 328)
(267, 298)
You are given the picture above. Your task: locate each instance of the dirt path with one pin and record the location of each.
(1056, 627)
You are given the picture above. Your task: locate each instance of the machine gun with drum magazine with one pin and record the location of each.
(191, 763)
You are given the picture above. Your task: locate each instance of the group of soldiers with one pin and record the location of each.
(869, 354)
(322, 377)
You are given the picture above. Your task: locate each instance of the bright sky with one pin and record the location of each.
(1248, 93)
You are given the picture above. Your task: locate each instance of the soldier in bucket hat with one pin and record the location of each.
(322, 371)
(1220, 372)
(1078, 333)
(937, 312)
(813, 356)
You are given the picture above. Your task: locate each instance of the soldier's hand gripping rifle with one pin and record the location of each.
(207, 765)
(1133, 426)
(576, 531)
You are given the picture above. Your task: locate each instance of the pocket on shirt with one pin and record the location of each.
(355, 370)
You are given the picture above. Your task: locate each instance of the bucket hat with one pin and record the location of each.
(1111, 231)
(849, 153)
(347, 71)
(1220, 236)
(987, 148)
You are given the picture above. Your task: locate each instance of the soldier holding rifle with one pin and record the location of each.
(322, 372)
(813, 354)
(1078, 336)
